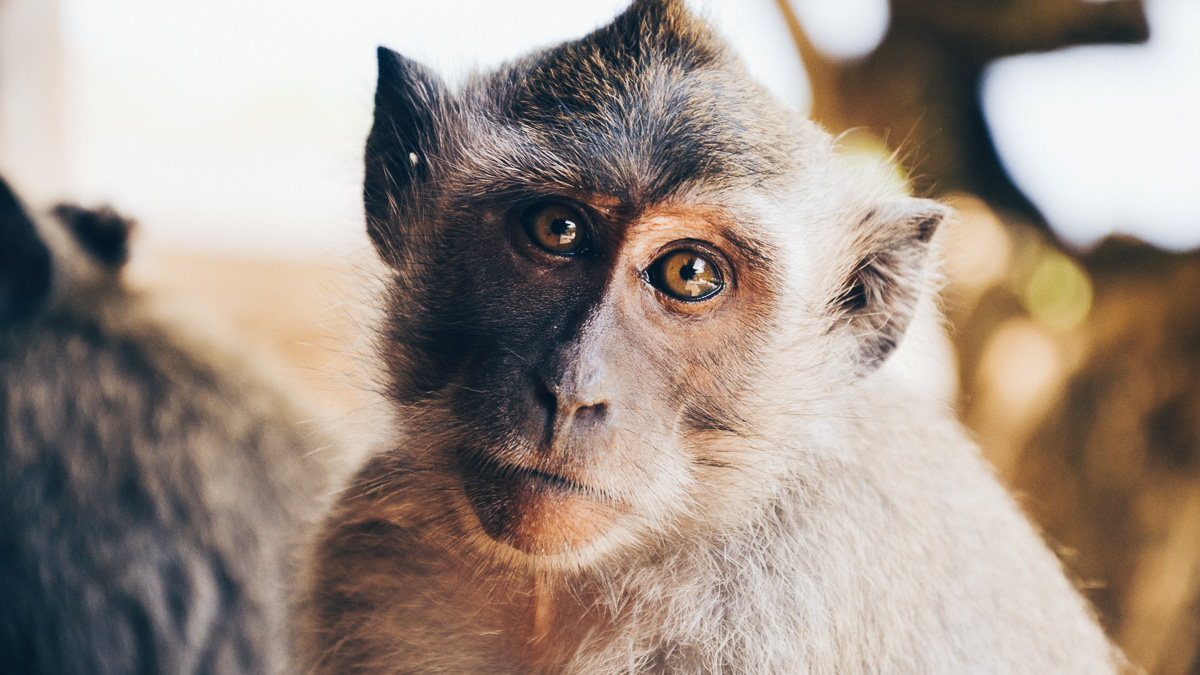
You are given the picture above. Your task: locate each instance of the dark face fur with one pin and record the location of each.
(577, 293)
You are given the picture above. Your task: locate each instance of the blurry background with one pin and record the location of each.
(1063, 130)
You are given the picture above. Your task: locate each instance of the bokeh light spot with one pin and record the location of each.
(1058, 294)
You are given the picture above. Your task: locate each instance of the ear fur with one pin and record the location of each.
(879, 294)
(411, 107)
(102, 233)
(25, 265)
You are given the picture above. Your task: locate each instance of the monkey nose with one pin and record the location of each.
(568, 411)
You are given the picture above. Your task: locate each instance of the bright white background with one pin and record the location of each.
(236, 126)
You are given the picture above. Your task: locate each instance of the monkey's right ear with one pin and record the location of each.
(412, 106)
(25, 266)
(101, 232)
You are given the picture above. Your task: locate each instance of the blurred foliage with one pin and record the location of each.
(1097, 426)
(1080, 372)
(919, 87)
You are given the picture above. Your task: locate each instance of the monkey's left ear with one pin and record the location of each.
(879, 293)
(412, 107)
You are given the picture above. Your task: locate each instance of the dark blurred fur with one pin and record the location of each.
(150, 486)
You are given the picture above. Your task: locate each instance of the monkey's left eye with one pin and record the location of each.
(557, 228)
(686, 275)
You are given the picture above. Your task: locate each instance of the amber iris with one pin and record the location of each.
(687, 275)
(557, 228)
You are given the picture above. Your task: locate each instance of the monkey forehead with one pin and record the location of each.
(646, 107)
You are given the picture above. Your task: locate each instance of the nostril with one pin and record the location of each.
(545, 399)
(543, 396)
(591, 414)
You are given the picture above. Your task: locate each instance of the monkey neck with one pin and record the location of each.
(545, 611)
(550, 625)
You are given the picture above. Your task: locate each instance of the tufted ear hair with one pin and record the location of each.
(653, 30)
(658, 20)
(412, 107)
(25, 265)
(878, 295)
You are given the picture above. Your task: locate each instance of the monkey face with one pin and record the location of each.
(579, 341)
(586, 284)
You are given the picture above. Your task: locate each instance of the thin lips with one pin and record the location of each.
(479, 464)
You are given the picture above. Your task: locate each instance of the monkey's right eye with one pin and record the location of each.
(554, 227)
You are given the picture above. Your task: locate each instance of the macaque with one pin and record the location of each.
(152, 486)
(664, 372)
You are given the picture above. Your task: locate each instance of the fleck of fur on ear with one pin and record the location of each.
(25, 265)
(879, 293)
(411, 108)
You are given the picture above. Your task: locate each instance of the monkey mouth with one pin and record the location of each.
(532, 510)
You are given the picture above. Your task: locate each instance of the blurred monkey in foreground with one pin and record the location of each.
(151, 487)
(660, 362)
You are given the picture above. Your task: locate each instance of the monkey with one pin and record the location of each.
(661, 365)
(152, 486)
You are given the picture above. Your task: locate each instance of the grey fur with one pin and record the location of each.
(799, 496)
(151, 485)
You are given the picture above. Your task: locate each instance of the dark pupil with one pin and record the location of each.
(690, 270)
(562, 226)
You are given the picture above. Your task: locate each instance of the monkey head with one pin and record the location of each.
(75, 257)
(606, 260)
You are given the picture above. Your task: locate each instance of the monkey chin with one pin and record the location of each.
(537, 513)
